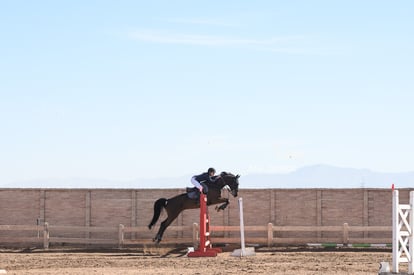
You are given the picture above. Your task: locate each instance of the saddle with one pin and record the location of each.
(191, 189)
(192, 193)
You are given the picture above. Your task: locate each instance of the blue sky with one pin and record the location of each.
(129, 89)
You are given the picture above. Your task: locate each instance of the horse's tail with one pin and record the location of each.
(158, 205)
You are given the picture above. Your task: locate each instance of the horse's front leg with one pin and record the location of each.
(223, 206)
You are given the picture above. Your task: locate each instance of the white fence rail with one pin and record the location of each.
(263, 234)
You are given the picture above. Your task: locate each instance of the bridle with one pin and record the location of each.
(233, 192)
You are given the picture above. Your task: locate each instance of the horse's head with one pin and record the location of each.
(231, 181)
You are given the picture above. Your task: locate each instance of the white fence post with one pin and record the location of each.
(345, 234)
(269, 234)
(195, 234)
(46, 236)
(121, 235)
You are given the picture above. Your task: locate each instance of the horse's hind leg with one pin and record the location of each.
(164, 226)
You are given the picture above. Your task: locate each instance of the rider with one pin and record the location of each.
(199, 180)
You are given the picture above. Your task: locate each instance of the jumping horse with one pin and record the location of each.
(179, 203)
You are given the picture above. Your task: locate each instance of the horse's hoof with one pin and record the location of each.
(149, 227)
(156, 240)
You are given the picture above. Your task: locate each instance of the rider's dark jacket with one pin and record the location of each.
(205, 177)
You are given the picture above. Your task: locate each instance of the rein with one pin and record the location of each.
(220, 185)
(226, 187)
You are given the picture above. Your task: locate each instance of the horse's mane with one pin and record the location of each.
(214, 185)
(223, 175)
(226, 174)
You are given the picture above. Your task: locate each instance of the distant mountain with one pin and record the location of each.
(178, 182)
(325, 176)
(316, 176)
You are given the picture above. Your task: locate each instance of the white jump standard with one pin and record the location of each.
(402, 233)
(243, 251)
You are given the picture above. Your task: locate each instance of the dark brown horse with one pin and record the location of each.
(175, 205)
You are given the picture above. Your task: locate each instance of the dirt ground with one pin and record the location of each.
(175, 261)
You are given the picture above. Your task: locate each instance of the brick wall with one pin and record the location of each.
(111, 207)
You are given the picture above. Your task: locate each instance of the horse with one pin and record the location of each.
(179, 203)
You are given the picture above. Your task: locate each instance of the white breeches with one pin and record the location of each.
(195, 183)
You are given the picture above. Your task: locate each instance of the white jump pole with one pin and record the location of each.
(395, 230)
(243, 251)
(243, 246)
